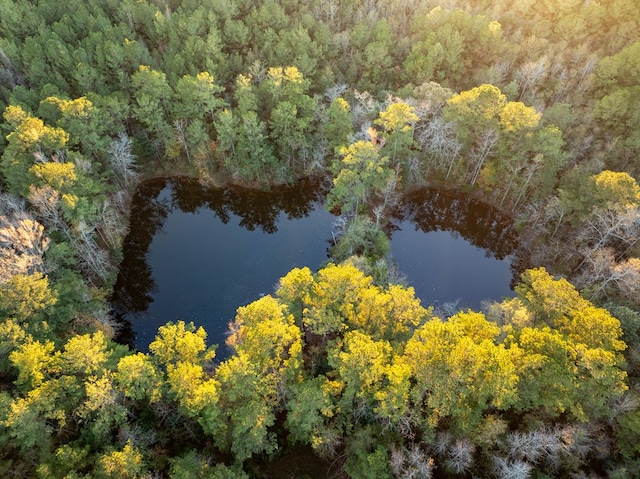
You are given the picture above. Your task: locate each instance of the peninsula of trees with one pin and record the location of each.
(531, 106)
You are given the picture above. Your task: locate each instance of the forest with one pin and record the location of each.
(530, 106)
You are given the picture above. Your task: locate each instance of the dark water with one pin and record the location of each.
(197, 254)
(455, 251)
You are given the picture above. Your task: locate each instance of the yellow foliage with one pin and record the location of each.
(80, 107)
(60, 176)
(14, 115)
(617, 188)
(125, 464)
(484, 102)
(516, 116)
(397, 117)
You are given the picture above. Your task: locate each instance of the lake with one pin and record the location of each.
(197, 254)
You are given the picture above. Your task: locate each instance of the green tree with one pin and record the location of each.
(452, 47)
(197, 97)
(289, 110)
(80, 119)
(194, 107)
(476, 116)
(398, 120)
(152, 97)
(360, 174)
(339, 125)
(195, 466)
(248, 403)
(308, 409)
(363, 238)
(618, 90)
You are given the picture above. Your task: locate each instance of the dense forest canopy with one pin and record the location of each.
(531, 106)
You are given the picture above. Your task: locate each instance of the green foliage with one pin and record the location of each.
(508, 151)
(449, 46)
(398, 121)
(628, 434)
(152, 96)
(372, 465)
(194, 466)
(247, 402)
(360, 174)
(341, 356)
(339, 125)
(361, 237)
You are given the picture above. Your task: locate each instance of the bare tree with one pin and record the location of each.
(511, 469)
(122, 161)
(529, 75)
(482, 149)
(554, 211)
(181, 133)
(627, 278)
(362, 110)
(438, 139)
(7, 71)
(442, 442)
(460, 456)
(92, 258)
(616, 227)
(602, 276)
(336, 91)
(10, 204)
(540, 445)
(597, 269)
(47, 203)
(111, 225)
(317, 156)
(411, 463)
(531, 170)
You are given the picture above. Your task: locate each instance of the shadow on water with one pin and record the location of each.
(157, 202)
(485, 227)
(454, 249)
(197, 253)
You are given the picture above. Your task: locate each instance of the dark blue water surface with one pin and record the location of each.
(454, 250)
(197, 254)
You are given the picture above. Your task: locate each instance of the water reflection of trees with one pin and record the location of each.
(256, 209)
(155, 199)
(460, 214)
(433, 209)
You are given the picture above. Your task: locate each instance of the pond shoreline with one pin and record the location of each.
(483, 228)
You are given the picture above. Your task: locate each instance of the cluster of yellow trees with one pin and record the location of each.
(333, 361)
